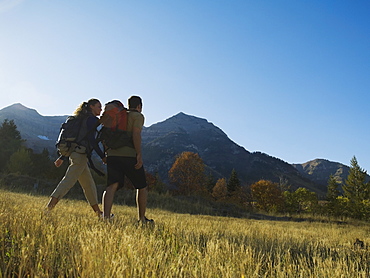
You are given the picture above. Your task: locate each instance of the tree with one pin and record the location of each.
(210, 182)
(333, 191)
(20, 162)
(154, 182)
(332, 195)
(187, 173)
(307, 200)
(234, 182)
(219, 191)
(42, 165)
(10, 141)
(355, 188)
(300, 200)
(267, 195)
(291, 205)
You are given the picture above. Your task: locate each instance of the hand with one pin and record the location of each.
(104, 159)
(139, 162)
(58, 162)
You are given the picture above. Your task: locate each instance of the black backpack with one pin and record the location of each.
(72, 136)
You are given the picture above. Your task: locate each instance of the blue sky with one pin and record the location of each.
(287, 78)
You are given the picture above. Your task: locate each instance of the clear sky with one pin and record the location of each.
(287, 78)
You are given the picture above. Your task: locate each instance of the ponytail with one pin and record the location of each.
(84, 108)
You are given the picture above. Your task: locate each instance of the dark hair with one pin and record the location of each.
(84, 108)
(134, 101)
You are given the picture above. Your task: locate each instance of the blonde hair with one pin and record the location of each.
(84, 108)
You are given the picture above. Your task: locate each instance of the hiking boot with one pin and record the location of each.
(146, 221)
(107, 218)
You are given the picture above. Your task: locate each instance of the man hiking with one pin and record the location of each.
(127, 161)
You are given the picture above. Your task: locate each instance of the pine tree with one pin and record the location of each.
(42, 165)
(333, 191)
(10, 141)
(234, 182)
(332, 196)
(355, 188)
(210, 182)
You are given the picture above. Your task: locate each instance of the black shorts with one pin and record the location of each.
(120, 166)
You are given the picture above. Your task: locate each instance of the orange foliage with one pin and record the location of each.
(220, 189)
(267, 194)
(187, 173)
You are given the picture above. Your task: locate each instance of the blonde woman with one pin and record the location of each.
(78, 170)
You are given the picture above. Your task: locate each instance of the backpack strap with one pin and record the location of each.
(90, 150)
(92, 166)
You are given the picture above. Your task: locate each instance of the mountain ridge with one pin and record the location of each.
(162, 142)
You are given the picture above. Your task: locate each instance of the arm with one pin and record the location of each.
(59, 161)
(92, 124)
(136, 137)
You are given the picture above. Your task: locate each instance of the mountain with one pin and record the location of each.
(163, 141)
(39, 131)
(319, 170)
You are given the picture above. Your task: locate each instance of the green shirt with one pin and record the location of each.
(135, 119)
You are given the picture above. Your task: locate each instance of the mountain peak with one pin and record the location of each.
(18, 107)
(182, 115)
(188, 123)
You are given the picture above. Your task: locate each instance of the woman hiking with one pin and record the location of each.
(78, 170)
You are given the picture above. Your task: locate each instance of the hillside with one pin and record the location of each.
(319, 170)
(163, 141)
(39, 131)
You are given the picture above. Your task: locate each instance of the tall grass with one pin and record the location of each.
(72, 242)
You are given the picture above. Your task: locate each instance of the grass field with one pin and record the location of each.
(73, 242)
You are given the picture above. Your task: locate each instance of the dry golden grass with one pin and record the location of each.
(72, 242)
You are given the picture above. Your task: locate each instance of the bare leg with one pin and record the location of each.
(52, 203)
(107, 200)
(141, 199)
(97, 209)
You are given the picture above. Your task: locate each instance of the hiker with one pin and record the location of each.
(127, 161)
(78, 170)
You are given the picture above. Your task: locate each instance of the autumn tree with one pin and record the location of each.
(267, 195)
(219, 191)
(187, 174)
(10, 141)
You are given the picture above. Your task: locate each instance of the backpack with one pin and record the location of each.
(71, 136)
(113, 133)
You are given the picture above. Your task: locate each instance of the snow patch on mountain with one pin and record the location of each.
(43, 137)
